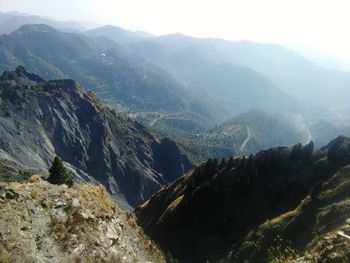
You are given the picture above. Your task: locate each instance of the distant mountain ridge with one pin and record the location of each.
(120, 75)
(104, 66)
(11, 21)
(292, 73)
(40, 119)
(118, 34)
(227, 88)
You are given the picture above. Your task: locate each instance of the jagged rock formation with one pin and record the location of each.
(41, 222)
(40, 119)
(236, 210)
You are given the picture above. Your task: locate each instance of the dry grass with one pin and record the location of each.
(175, 203)
(77, 225)
(280, 218)
(96, 198)
(7, 252)
(90, 259)
(35, 178)
(34, 194)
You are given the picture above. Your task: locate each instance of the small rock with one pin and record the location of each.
(78, 250)
(24, 228)
(348, 221)
(60, 216)
(87, 214)
(59, 203)
(11, 194)
(74, 239)
(35, 178)
(75, 202)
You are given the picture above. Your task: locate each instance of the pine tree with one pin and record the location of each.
(222, 163)
(230, 163)
(59, 174)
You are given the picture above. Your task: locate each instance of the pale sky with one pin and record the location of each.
(320, 24)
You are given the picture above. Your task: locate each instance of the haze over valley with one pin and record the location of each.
(150, 145)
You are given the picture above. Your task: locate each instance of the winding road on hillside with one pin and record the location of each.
(156, 119)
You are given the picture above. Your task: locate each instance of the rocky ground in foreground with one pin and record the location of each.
(41, 222)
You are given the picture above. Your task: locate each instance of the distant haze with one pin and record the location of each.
(317, 24)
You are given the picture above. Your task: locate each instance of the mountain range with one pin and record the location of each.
(111, 72)
(40, 119)
(11, 21)
(291, 72)
(213, 148)
(118, 34)
(175, 81)
(122, 76)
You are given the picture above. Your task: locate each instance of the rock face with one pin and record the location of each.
(40, 119)
(239, 209)
(41, 222)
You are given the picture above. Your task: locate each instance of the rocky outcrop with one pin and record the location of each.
(40, 119)
(41, 222)
(236, 209)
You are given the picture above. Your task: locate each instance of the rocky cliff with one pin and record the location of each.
(283, 204)
(40, 119)
(40, 222)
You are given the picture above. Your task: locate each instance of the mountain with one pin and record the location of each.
(9, 22)
(114, 73)
(323, 59)
(256, 130)
(289, 71)
(40, 119)
(117, 34)
(50, 223)
(323, 130)
(246, 133)
(282, 204)
(227, 89)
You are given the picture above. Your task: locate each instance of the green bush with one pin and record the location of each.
(281, 251)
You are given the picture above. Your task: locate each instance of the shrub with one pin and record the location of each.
(59, 174)
(281, 251)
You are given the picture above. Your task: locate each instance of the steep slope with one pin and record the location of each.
(117, 34)
(114, 73)
(40, 119)
(236, 210)
(40, 222)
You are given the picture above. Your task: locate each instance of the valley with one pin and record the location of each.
(120, 145)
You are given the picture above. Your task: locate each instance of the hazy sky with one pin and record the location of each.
(320, 24)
